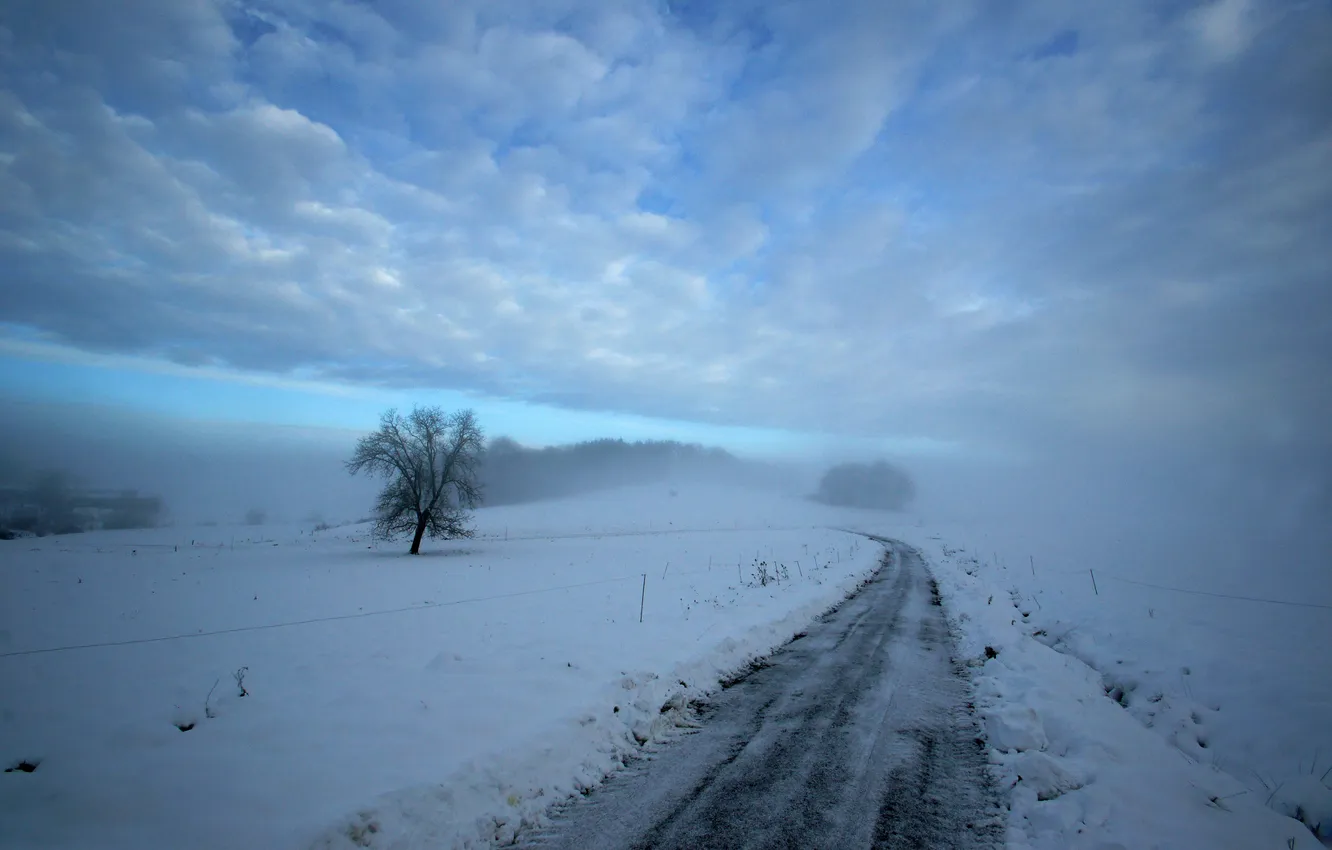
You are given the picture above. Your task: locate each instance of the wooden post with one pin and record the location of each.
(1094, 587)
(642, 599)
(1033, 565)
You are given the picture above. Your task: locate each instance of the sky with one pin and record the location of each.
(975, 230)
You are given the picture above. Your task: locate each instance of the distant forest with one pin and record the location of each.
(512, 474)
(876, 486)
(52, 504)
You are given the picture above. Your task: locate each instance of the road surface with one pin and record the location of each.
(855, 735)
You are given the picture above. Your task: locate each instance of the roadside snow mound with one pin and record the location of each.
(486, 802)
(1306, 799)
(1084, 772)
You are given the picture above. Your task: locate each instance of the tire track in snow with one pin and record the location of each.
(856, 735)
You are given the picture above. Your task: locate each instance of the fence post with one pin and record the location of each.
(1033, 566)
(642, 599)
(1094, 587)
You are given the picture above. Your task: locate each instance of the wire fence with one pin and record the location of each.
(311, 620)
(504, 536)
(1221, 595)
(424, 606)
(1099, 574)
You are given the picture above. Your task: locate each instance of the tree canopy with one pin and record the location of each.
(878, 485)
(429, 459)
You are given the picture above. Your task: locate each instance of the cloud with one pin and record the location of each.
(1225, 27)
(1033, 228)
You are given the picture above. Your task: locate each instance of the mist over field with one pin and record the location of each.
(216, 472)
(1264, 511)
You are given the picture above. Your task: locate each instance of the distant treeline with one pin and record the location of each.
(53, 505)
(513, 474)
(877, 486)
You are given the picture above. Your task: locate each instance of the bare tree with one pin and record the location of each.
(430, 459)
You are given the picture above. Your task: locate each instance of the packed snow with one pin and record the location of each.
(446, 700)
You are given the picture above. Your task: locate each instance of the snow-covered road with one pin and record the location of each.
(856, 735)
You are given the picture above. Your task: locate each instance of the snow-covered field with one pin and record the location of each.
(501, 675)
(439, 701)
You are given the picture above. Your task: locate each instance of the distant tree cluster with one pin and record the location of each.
(513, 474)
(134, 511)
(436, 466)
(878, 485)
(53, 504)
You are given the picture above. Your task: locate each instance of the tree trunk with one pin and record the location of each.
(420, 530)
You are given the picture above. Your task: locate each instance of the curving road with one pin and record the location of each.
(857, 734)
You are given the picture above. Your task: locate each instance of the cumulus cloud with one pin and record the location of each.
(969, 224)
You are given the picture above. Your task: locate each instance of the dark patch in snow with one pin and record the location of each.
(24, 766)
(1120, 692)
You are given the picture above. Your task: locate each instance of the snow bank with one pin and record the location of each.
(435, 701)
(1094, 755)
